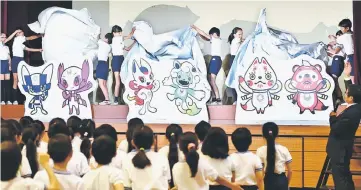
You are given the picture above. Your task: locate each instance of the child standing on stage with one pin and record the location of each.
(118, 56)
(18, 56)
(276, 158)
(216, 62)
(248, 166)
(235, 39)
(103, 67)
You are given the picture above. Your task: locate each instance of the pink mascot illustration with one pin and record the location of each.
(74, 80)
(260, 85)
(307, 86)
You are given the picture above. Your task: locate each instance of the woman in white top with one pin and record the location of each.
(248, 166)
(18, 56)
(144, 168)
(171, 151)
(235, 39)
(104, 176)
(276, 158)
(215, 150)
(194, 172)
(126, 145)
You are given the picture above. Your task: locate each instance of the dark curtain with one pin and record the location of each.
(357, 39)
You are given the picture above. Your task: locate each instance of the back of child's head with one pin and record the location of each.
(7, 133)
(173, 133)
(30, 140)
(242, 139)
(109, 37)
(58, 128)
(16, 128)
(132, 124)
(270, 132)
(106, 129)
(201, 129)
(41, 126)
(215, 30)
(10, 160)
(116, 29)
(86, 131)
(57, 120)
(188, 144)
(26, 121)
(143, 139)
(59, 148)
(74, 123)
(104, 149)
(215, 145)
(234, 31)
(345, 23)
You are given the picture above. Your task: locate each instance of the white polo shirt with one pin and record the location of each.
(116, 161)
(24, 169)
(155, 176)
(283, 156)
(123, 146)
(216, 46)
(246, 165)
(103, 50)
(165, 151)
(235, 44)
(22, 183)
(182, 175)
(43, 147)
(4, 52)
(66, 179)
(18, 46)
(75, 143)
(77, 165)
(117, 46)
(224, 167)
(103, 177)
(346, 40)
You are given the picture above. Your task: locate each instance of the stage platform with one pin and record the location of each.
(307, 144)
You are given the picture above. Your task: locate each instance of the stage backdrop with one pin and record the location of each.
(165, 77)
(57, 89)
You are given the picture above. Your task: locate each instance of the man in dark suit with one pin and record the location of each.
(341, 139)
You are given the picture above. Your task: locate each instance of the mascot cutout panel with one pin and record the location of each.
(290, 92)
(57, 89)
(166, 91)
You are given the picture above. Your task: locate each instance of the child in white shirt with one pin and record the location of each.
(144, 168)
(216, 62)
(43, 146)
(104, 176)
(102, 69)
(276, 158)
(249, 169)
(194, 172)
(201, 130)
(126, 145)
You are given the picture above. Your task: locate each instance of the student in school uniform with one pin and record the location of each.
(30, 140)
(43, 146)
(276, 158)
(235, 40)
(104, 176)
(194, 172)
(118, 56)
(10, 163)
(74, 123)
(18, 56)
(102, 69)
(60, 151)
(144, 168)
(248, 166)
(216, 62)
(126, 145)
(171, 151)
(201, 130)
(78, 163)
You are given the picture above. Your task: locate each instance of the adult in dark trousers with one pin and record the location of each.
(341, 139)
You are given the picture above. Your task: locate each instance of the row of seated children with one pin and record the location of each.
(85, 157)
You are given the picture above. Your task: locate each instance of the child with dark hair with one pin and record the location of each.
(194, 172)
(276, 158)
(30, 140)
(26, 121)
(144, 168)
(43, 146)
(171, 151)
(108, 130)
(201, 130)
(57, 120)
(86, 131)
(10, 162)
(104, 176)
(60, 151)
(216, 62)
(126, 145)
(248, 166)
(215, 150)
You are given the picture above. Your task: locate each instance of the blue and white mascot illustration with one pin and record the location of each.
(37, 85)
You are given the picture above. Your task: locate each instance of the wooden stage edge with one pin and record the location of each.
(221, 116)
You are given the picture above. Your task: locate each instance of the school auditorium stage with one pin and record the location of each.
(306, 143)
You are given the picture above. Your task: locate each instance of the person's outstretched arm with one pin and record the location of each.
(203, 35)
(33, 37)
(11, 36)
(33, 49)
(347, 72)
(130, 34)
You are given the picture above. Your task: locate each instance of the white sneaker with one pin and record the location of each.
(115, 103)
(2, 103)
(9, 103)
(105, 102)
(15, 103)
(234, 103)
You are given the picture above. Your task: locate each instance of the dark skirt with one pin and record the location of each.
(276, 182)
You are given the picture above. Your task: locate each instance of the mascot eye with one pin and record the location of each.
(65, 84)
(268, 76)
(252, 76)
(141, 79)
(189, 78)
(42, 88)
(179, 76)
(31, 89)
(151, 76)
(76, 81)
(300, 76)
(313, 76)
